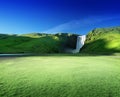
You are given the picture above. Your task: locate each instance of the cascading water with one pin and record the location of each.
(79, 44)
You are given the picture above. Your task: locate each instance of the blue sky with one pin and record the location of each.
(52, 16)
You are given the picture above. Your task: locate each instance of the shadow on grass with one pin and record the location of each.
(57, 55)
(95, 48)
(36, 43)
(98, 47)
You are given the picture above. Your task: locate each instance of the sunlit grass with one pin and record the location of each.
(60, 76)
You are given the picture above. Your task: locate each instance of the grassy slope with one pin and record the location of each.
(34, 43)
(60, 76)
(103, 40)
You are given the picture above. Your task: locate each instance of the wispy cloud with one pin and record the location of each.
(79, 24)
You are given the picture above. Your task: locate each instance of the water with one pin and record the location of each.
(12, 55)
(79, 44)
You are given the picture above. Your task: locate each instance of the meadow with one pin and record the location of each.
(60, 76)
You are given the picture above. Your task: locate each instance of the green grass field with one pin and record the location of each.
(60, 76)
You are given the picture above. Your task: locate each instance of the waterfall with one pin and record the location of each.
(79, 44)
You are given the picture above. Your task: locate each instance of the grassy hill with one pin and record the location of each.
(36, 43)
(99, 41)
(103, 41)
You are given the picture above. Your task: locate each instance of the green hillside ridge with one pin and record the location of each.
(98, 41)
(37, 43)
(103, 41)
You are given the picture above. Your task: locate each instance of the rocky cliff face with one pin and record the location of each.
(79, 44)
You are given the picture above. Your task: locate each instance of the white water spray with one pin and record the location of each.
(79, 44)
